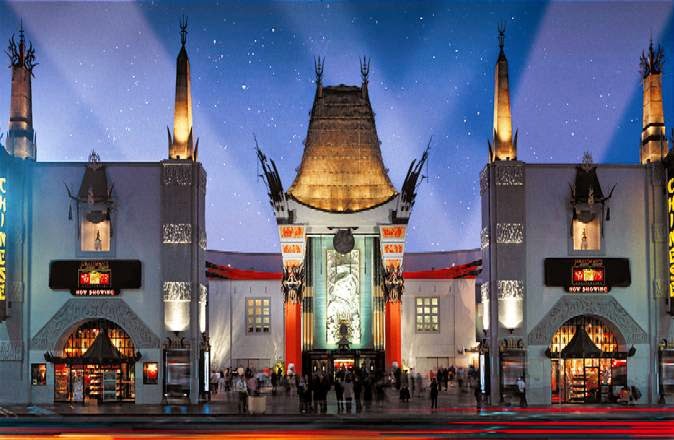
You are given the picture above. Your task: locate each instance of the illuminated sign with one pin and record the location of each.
(94, 277)
(291, 233)
(587, 275)
(392, 232)
(670, 235)
(3, 246)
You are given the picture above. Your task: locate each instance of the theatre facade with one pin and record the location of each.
(576, 285)
(103, 291)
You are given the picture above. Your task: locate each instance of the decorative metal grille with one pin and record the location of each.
(484, 238)
(509, 233)
(510, 289)
(510, 175)
(177, 233)
(177, 291)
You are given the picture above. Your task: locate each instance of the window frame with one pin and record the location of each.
(35, 380)
(589, 252)
(430, 314)
(80, 225)
(254, 315)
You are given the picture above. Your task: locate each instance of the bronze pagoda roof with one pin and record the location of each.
(342, 168)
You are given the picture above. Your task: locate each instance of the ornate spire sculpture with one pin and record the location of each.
(21, 136)
(364, 75)
(181, 145)
(653, 136)
(318, 67)
(505, 147)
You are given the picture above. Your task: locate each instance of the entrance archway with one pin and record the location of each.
(96, 363)
(588, 361)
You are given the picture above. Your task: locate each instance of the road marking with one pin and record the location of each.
(6, 413)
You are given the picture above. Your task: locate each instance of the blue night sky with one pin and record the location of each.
(107, 73)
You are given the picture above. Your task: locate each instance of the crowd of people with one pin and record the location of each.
(355, 389)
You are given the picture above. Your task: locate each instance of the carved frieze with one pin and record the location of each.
(202, 239)
(484, 180)
(484, 238)
(509, 233)
(177, 174)
(177, 291)
(394, 284)
(603, 306)
(15, 291)
(660, 288)
(509, 175)
(292, 284)
(203, 294)
(11, 350)
(484, 291)
(77, 310)
(177, 233)
(510, 289)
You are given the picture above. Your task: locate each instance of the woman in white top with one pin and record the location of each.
(347, 387)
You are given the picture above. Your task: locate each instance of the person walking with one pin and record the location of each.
(522, 388)
(357, 388)
(412, 380)
(420, 384)
(367, 392)
(339, 394)
(348, 393)
(434, 393)
(242, 391)
(222, 384)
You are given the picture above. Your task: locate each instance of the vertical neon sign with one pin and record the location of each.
(670, 239)
(3, 248)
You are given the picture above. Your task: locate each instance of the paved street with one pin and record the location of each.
(456, 417)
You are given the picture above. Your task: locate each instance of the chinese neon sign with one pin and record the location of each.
(3, 246)
(670, 235)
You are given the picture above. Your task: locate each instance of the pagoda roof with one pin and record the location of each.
(342, 169)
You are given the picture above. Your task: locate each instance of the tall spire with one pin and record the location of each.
(21, 136)
(318, 68)
(653, 136)
(181, 145)
(364, 75)
(505, 148)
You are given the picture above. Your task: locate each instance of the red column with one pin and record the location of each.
(393, 341)
(293, 333)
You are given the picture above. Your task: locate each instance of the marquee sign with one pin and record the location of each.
(670, 233)
(95, 277)
(587, 275)
(3, 248)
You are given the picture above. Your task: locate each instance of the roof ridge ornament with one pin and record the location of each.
(501, 35)
(94, 160)
(651, 62)
(587, 163)
(183, 30)
(318, 68)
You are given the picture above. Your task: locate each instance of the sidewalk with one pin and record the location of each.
(452, 404)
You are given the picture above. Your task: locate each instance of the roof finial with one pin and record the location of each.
(501, 35)
(318, 68)
(183, 30)
(364, 69)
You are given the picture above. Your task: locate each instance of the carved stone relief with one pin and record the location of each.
(510, 289)
(509, 233)
(510, 175)
(484, 237)
(177, 174)
(78, 310)
(177, 233)
(484, 180)
(177, 291)
(11, 350)
(603, 306)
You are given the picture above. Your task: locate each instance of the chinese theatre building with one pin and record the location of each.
(575, 288)
(342, 226)
(102, 278)
(438, 312)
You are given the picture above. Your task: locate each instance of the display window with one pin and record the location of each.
(587, 236)
(150, 373)
(38, 374)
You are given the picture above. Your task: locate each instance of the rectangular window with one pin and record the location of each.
(38, 374)
(587, 236)
(427, 314)
(95, 237)
(258, 315)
